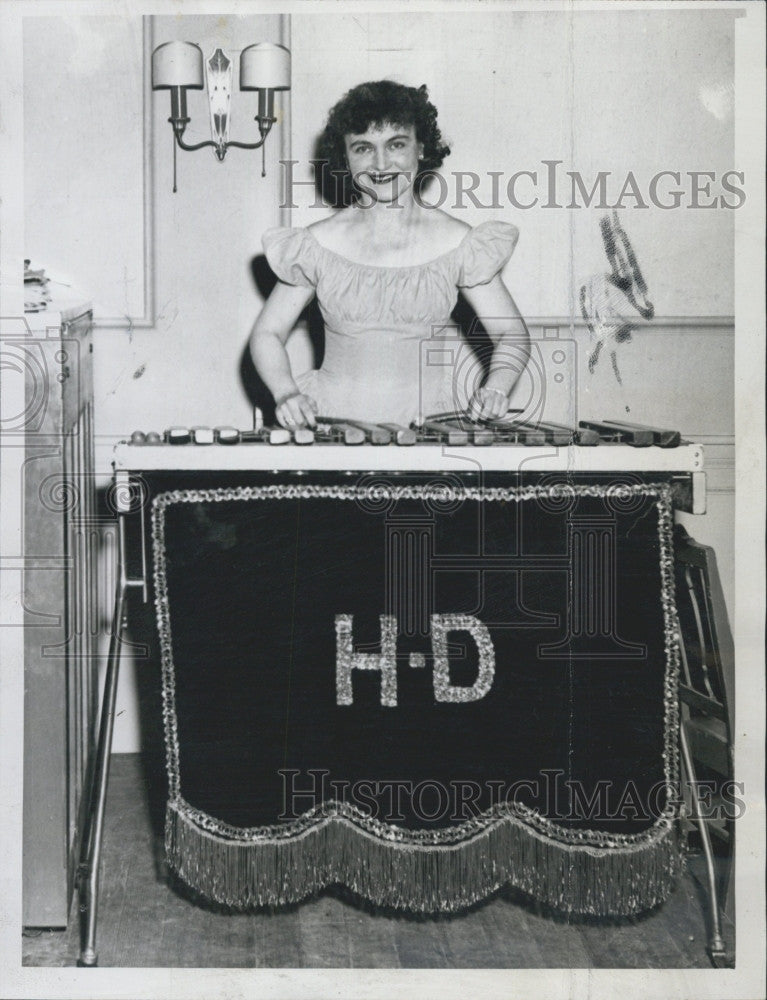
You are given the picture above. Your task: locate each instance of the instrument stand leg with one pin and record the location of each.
(716, 949)
(88, 870)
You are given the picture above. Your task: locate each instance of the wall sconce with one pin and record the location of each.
(178, 67)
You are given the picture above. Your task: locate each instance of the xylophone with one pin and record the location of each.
(454, 601)
(441, 428)
(443, 442)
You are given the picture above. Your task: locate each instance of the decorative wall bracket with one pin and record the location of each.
(178, 67)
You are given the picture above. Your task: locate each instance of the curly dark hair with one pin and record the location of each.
(369, 105)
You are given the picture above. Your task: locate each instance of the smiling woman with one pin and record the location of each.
(379, 104)
(386, 157)
(386, 270)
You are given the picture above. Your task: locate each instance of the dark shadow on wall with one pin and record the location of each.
(255, 388)
(474, 332)
(140, 645)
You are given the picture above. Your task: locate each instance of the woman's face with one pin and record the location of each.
(384, 161)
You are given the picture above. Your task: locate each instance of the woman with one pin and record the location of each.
(386, 270)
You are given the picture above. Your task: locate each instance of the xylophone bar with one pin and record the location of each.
(633, 434)
(444, 432)
(562, 436)
(661, 437)
(513, 433)
(460, 432)
(270, 435)
(558, 435)
(303, 435)
(402, 435)
(480, 432)
(340, 430)
(371, 433)
(226, 435)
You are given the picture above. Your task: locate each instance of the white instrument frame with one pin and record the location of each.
(685, 459)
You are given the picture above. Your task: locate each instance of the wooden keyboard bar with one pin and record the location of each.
(662, 437)
(558, 434)
(267, 435)
(479, 433)
(611, 431)
(516, 433)
(374, 433)
(178, 435)
(303, 435)
(583, 436)
(341, 430)
(445, 432)
(226, 435)
(402, 435)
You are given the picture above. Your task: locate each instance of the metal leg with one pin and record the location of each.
(88, 873)
(716, 948)
(128, 500)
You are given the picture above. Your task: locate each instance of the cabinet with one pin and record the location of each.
(60, 603)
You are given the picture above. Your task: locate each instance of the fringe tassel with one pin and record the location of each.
(244, 874)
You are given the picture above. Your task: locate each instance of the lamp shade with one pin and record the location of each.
(265, 66)
(177, 64)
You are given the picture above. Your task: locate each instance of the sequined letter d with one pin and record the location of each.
(443, 689)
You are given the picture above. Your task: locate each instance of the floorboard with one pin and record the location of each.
(323, 935)
(421, 943)
(277, 940)
(511, 935)
(372, 942)
(468, 946)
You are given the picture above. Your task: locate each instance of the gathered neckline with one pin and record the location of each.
(391, 267)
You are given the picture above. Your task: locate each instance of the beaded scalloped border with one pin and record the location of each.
(466, 831)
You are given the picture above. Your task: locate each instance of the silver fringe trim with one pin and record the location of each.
(244, 874)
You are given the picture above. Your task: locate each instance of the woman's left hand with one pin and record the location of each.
(488, 404)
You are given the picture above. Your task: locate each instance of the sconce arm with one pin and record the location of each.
(247, 145)
(197, 145)
(179, 126)
(264, 127)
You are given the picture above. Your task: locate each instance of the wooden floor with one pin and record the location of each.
(145, 922)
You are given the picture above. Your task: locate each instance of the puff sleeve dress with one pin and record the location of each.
(391, 349)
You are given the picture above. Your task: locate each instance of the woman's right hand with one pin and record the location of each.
(296, 410)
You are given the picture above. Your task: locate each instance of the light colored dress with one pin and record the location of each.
(392, 352)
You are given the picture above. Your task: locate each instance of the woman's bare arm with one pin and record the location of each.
(267, 347)
(503, 322)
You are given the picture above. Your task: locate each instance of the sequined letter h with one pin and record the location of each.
(347, 660)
